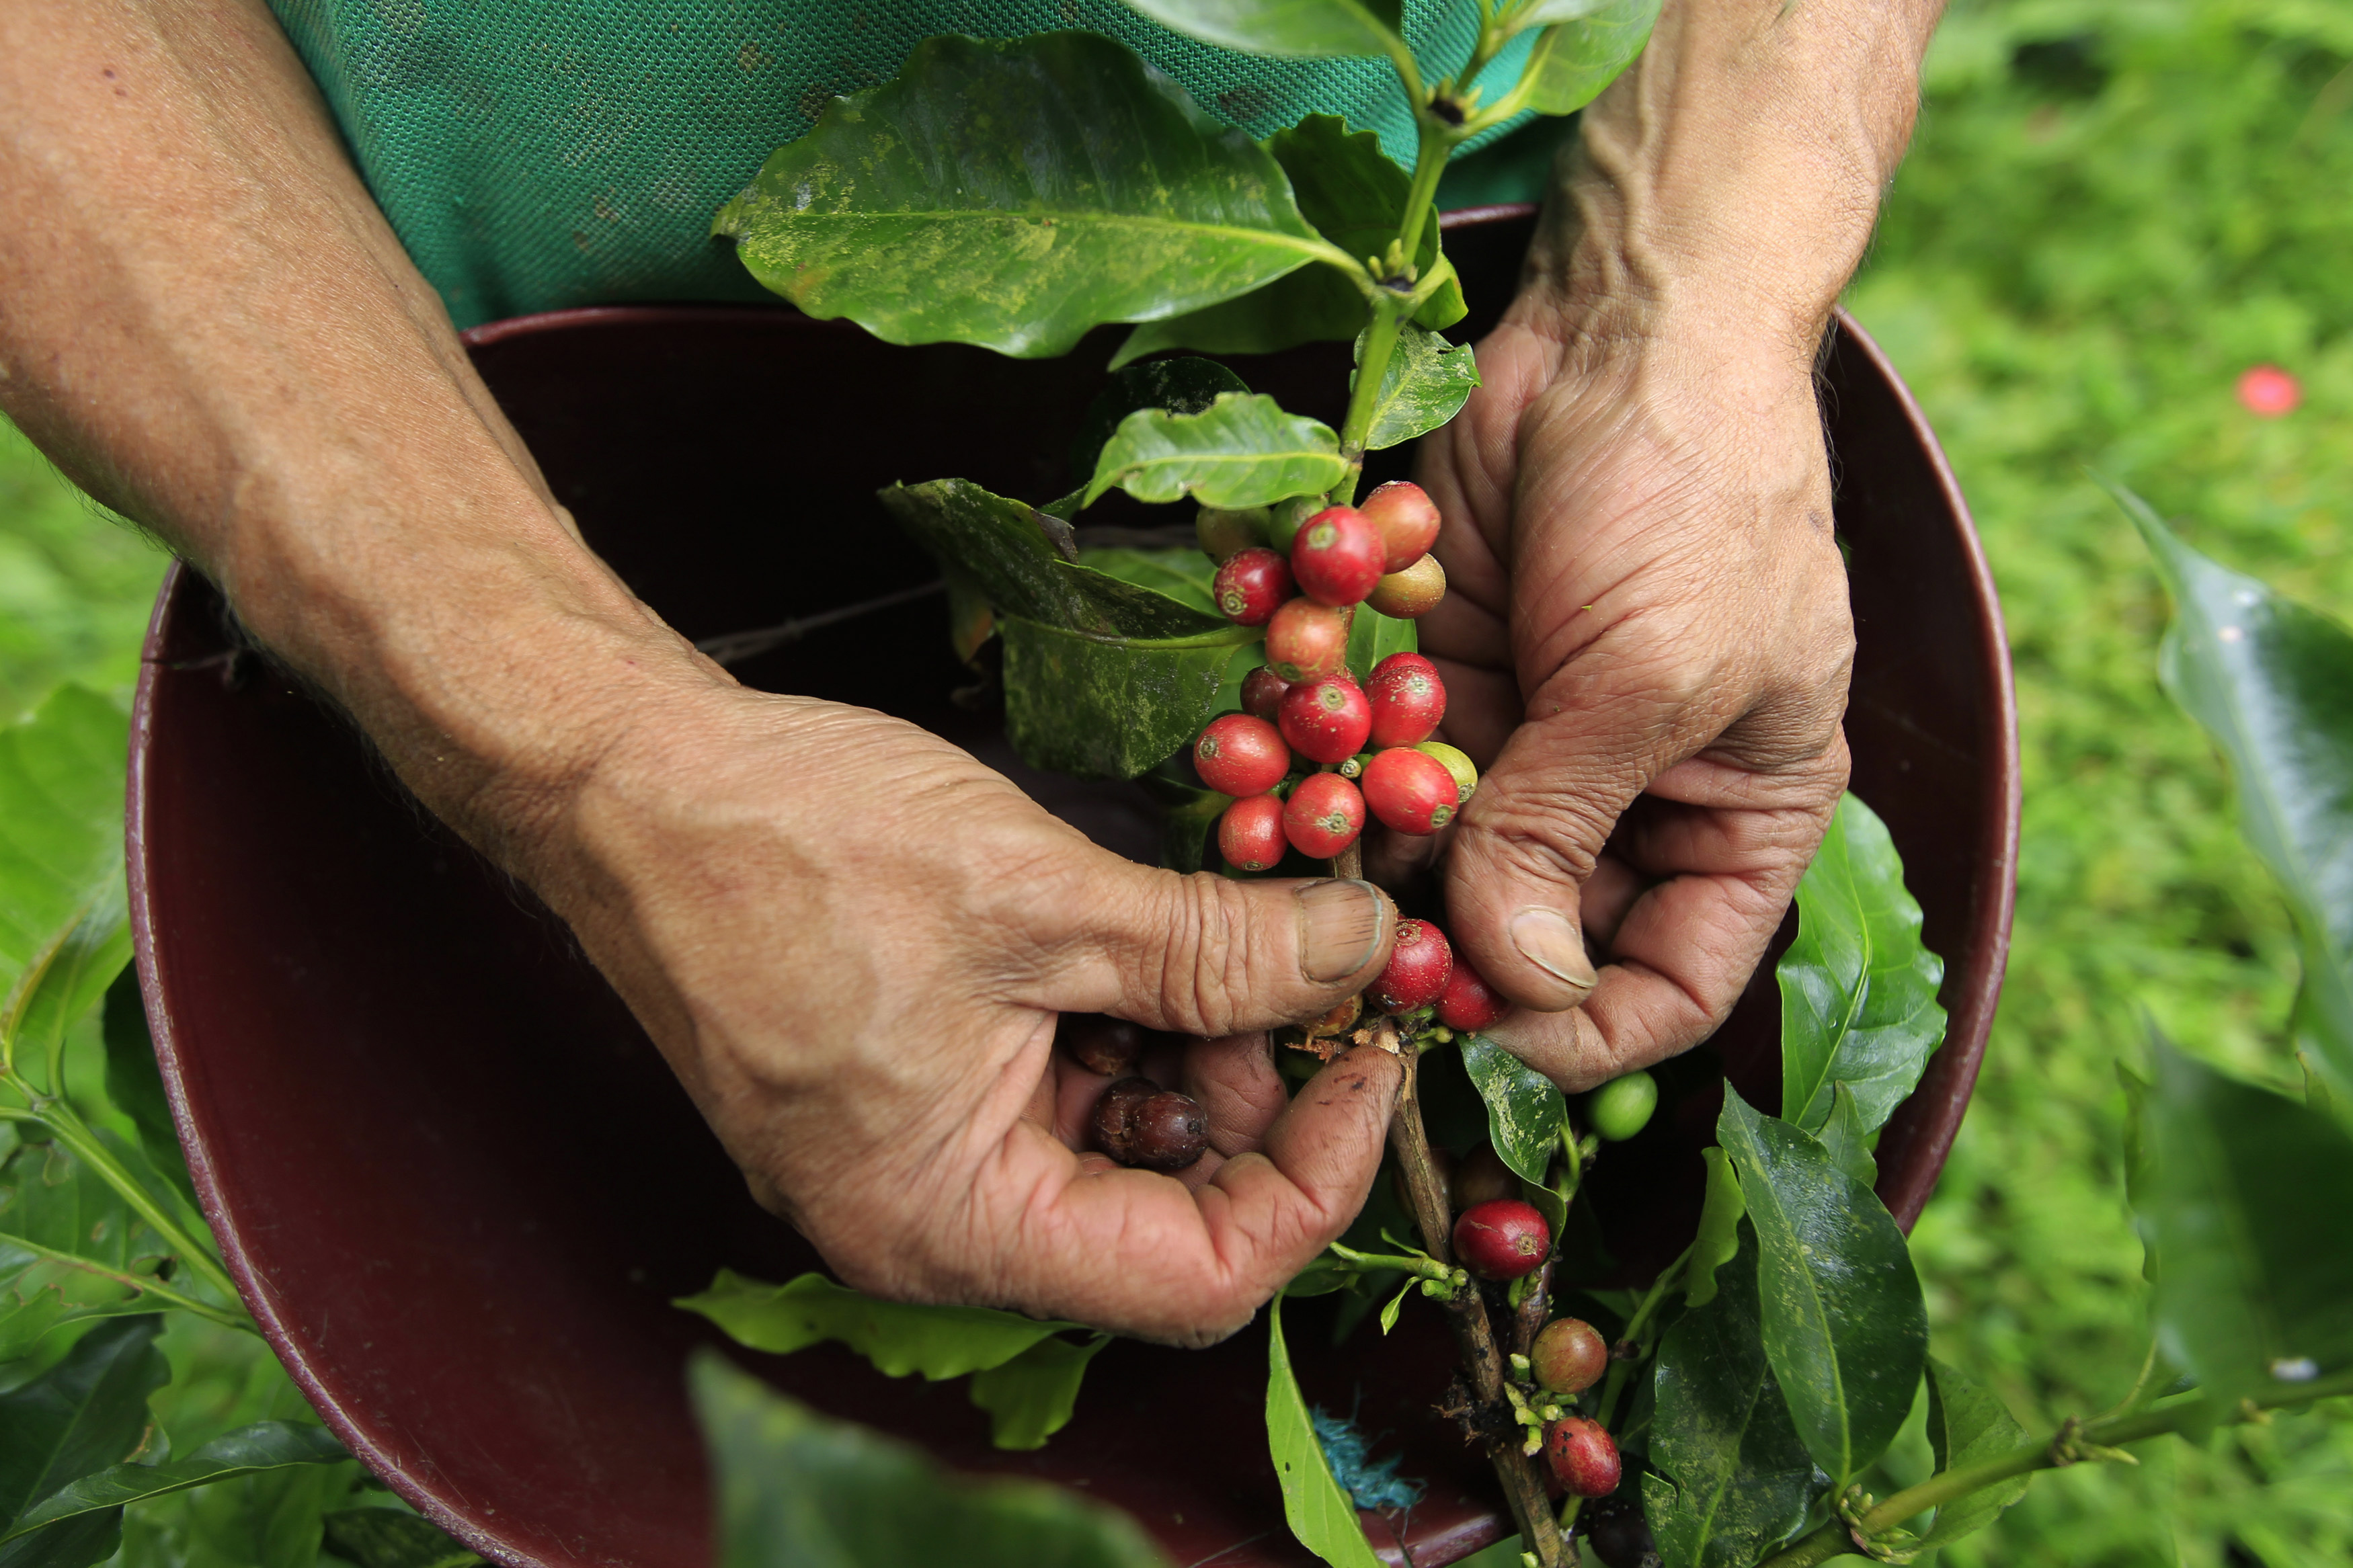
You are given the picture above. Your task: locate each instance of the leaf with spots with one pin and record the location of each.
(1425, 384)
(1525, 1110)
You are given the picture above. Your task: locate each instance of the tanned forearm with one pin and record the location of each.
(206, 321)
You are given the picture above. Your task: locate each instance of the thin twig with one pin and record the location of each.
(734, 648)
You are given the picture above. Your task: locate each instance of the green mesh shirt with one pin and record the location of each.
(559, 152)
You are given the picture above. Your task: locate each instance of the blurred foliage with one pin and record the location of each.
(2110, 211)
(2113, 208)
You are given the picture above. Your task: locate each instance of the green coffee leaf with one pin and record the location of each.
(1424, 384)
(1185, 385)
(391, 1537)
(1188, 816)
(1547, 14)
(264, 1519)
(1014, 193)
(1372, 637)
(1321, 1515)
(1287, 28)
(2249, 1206)
(897, 1337)
(1847, 1141)
(1737, 1478)
(1844, 1326)
(1031, 1397)
(2271, 681)
(797, 1489)
(84, 1414)
(1115, 708)
(249, 1450)
(1241, 451)
(1525, 1110)
(1573, 61)
(61, 781)
(1967, 1425)
(1187, 576)
(1355, 194)
(1718, 1240)
(70, 1250)
(1858, 989)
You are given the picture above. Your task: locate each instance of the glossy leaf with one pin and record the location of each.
(2250, 1207)
(1185, 385)
(797, 1489)
(69, 977)
(1425, 384)
(1849, 1142)
(1187, 576)
(1355, 194)
(1286, 29)
(84, 1414)
(1031, 1397)
(1372, 637)
(1102, 708)
(1243, 450)
(2271, 681)
(267, 1519)
(1014, 193)
(1844, 1326)
(391, 1537)
(1573, 61)
(1321, 1515)
(1737, 1476)
(61, 782)
(897, 1337)
(1525, 1110)
(70, 1250)
(1858, 989)
(135, 1085)
(249, 1450)
(1967, 1425)
(1718, 1241)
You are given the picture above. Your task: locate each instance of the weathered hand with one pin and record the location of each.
(851, 940)
(1646, 645)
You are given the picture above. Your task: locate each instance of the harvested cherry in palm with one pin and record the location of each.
(1306, 639)
(1469, 1004)
(1569, 1356)
(1249, 833)
(1412, 592)
(1409, 791)
(1407, 519)
(1251, 586)
(1239, 755)
(1583, 1456)
(1325, 720)
(1501, 1239)
(1262, 692)
(1323, 815)
(1408, 700)
(1101, 1043)
(1139, 1123)
(1337, 556)
(1415, 975)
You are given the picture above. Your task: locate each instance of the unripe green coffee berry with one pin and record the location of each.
(1466, 777)
(1284, 516)
(1226, 534)
(1623, 1107)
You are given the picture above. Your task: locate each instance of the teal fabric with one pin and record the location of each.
(561, 153)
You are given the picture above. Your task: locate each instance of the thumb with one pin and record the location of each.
(1209, 956)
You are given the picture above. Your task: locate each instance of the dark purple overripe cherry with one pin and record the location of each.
(1407, 519)
(1481, 1177)
(1416, 973)
(1101, 1043)
(1583, 1456)
(1262, 692)
(1323, 815)
(1619, 1533)
(1501, 1239)
(1409, 791)
(1569, 1356)
(1239, 755)
(1305, 640)
(1251, 586)
(1140, 1124)
(1325, 720)
(1249, 833)
(1337, 556)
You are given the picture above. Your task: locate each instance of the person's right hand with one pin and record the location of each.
(851, 940)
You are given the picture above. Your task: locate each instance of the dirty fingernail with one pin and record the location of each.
(1547, 940)
(1342, 925)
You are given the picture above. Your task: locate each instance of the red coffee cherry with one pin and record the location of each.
(1501, 1239)
(1323, 815)
(1226, 534)
(1481, 1177)
(1469, 1004)
(1409, 791)
(1337, 556)
(1466, 776)
(1249, 833)
(1251, 586)
(1407, 698)
(1583, 1456)
(1262, 692)
(1412, 592)
(1569, 1356)
(1239, 755)
(1325, 720)
(1139, 1123)
(1306, 639)
(1407, 519)
(1417, 970)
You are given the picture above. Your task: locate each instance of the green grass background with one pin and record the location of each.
(2113, 207)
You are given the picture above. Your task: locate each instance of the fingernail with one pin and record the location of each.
(1341, 925)
(1546, 940)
